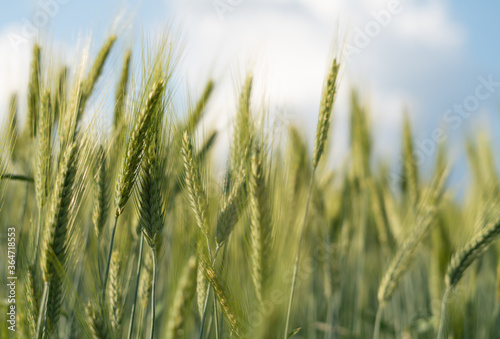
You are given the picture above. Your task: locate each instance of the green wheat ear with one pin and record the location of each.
(121, 92)
(56, 234)
(325, 112)
(196, 194)
(101, 193)
(260, 224)
(34, 92)
(135, 147)
(230, 210)
(42, 165)
(95, 72)
(410, 168)
(97, 323)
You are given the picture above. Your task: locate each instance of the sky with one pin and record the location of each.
(426, 58)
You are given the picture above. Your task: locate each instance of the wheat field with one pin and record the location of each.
(129, 231)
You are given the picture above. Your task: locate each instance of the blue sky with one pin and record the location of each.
(428, 57)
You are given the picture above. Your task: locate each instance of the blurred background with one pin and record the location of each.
(439, 60)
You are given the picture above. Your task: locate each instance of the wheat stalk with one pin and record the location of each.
(322, 128)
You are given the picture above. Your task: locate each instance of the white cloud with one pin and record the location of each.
(14, 68)
(287, 44)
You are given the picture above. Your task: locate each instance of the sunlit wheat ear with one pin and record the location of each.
(101, 193)
(42, 165)
(31, 301)
(325, 112)
(196, 114)
(242, 125)
(201, 288)
(12, 128)
(59, 96)
(34, 92)
(97, 323)
(183, 296)
(121, 92)
(90, 81)
(150, 196)
(134, 149)
(115, 293)
(55, 238)
(260, 224)
(463, 258)
(220, 290)
(410, 169)
(230, 210)
(401, 262)
(196, 193)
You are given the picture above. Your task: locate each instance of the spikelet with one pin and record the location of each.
(151, 202)
(424, 215)
(97, 323)
(115, 293)
(121, 93)
(196, 193)
(90, 81)
(325, 112)
(31, 301)
(360, 137)
(242, 127)
(410, 169)
(260, 225)
(55, 240)
(220, 290)
(230, 210)
(101, 193)
(201, 288)
(463, 258)
(11, 128)
(54, 303)
(134, 149)
(59, 96)
(42, 166)
(183, 295)
(34, 92)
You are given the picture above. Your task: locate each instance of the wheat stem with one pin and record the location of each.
(297, 257)
(108, 261)
(43, 308)
(153, 293)
(207, 297)
(378, 320)
(139, 261)
(443, 315)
